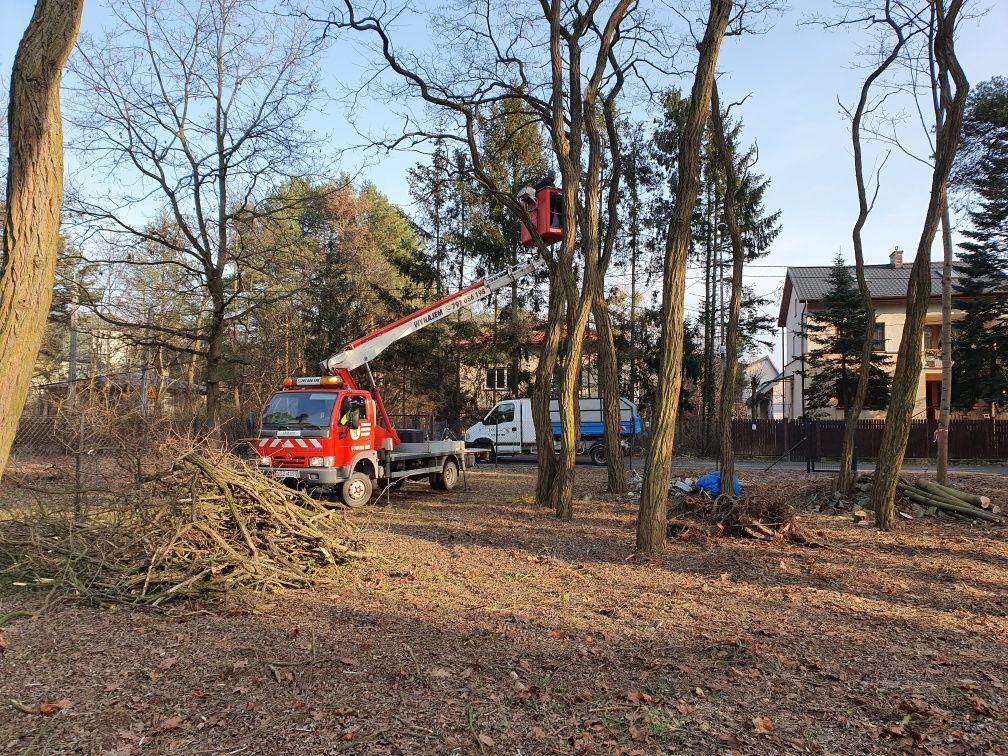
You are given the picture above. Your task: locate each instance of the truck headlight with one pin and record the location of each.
(321, 461)
(265, 461)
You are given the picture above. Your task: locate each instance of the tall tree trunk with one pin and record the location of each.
(214, 361)
(853, 408)
(940, 102)
(726, 451)
(710, 310)
(609, 372)
(542, 393)
(609, 392)
(652, 516)
(578, 309)
(908, 361)
(945, 412)
(34, 199)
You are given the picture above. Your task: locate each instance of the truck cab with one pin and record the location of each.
(323, 432)
(319, 432)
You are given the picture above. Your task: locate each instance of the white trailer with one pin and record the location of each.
(508, 428)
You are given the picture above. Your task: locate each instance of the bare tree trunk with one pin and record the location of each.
(541, 395)
(609, 375)
(609, 393)
(652, 516)
(908, 362)
(727, 451)
(34, 199)
(852, 412)
(215, 354)
(940, 101)
(945, 413)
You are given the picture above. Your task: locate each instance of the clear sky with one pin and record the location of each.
(794, 75)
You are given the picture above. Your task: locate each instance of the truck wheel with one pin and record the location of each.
(448, 478)
(356, 490)
(597, 454)
(490, 455)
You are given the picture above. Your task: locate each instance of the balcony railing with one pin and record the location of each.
(932, 358)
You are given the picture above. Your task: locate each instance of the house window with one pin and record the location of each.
(879, 343)
(497, 378)
(932, 337)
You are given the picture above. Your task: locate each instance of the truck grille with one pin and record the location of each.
(289, 460)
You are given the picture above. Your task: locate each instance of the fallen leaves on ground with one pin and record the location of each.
(544, 637)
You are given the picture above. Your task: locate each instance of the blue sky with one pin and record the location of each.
(794, 75)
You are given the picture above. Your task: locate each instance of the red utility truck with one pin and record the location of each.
(326, 431)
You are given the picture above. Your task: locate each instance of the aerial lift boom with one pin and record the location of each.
(360, 352)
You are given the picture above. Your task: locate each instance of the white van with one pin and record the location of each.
(508, 428)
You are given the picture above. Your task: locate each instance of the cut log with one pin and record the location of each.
(923, 497)
(983, 502)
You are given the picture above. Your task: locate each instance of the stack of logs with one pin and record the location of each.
(933, 496)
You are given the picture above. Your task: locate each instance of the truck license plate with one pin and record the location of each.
(286, 473)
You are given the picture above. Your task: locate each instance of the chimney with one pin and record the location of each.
(896, 258)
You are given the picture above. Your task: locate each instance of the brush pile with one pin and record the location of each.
(928, 497)
(206, 524)
(764, 517)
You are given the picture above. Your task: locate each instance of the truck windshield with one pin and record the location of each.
(299, 409)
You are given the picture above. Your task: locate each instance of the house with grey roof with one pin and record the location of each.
(805, 288)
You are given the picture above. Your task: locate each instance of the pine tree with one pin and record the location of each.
(837, 332)
(980, 339)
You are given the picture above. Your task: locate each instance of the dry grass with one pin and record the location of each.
(492, 627)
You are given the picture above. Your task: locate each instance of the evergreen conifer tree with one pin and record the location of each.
(836, 334)
(980, 339)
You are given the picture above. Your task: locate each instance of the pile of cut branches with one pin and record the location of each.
(760, 516)
(206, 524)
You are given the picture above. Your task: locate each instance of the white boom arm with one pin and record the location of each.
(368, 347)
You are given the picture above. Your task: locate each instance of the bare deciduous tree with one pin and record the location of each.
(566, 63)
(31, 239)
(195, 107)
(730, 374)
(852, 412)
(908, 362)
(652, 517)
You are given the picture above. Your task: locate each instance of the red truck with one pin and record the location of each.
(328, 432)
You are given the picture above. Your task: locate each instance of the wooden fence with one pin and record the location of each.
(968, 439)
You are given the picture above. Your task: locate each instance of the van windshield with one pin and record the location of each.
(502, 413)
(299, 409)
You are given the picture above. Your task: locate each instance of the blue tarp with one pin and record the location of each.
(711, 483)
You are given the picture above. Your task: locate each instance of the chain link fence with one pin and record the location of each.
(94, 431)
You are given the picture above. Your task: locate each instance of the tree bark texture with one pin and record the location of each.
(727, 398)
(609, 393)
(940, 101)
(852, 413)
(34, 200)
(909, 359)
(541, 395)
(652, 515)
(945, 411)
(581, 181)
(608, 364)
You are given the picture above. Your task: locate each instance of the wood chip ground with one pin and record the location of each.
(490, 627)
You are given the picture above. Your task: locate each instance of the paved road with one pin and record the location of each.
(696, 463)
